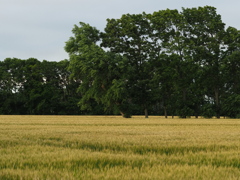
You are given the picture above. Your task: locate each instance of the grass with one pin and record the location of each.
(98, 147)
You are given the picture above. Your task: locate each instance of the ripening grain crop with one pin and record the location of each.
(110, 147)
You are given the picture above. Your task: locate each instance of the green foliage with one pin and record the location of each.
(231, 106)
(34, 87)
(96, 69)
(174, 62)
(208, 111)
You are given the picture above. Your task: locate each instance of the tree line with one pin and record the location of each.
(165, 63)
(35, 88)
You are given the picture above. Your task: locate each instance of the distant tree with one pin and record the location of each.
(34, 87)
(10, 86)
(58, 94)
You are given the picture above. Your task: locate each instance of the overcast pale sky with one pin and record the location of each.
(40, 28)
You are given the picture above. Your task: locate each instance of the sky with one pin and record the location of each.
(40, 28)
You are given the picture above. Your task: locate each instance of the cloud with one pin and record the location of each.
(40, 28)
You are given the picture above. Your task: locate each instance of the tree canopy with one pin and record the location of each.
(175, 61)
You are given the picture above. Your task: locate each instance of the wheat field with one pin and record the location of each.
(111, 147)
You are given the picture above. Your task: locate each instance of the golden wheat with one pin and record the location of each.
(110, 147)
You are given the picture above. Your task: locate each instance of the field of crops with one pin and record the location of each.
(95, 147)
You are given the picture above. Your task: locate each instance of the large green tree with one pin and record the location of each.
(97, 71)
(231, 74)
(204, 31)
(141, 40)
(163, 30)
(177, 70)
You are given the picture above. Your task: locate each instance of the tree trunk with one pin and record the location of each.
(122, 113)
(183, 114)
(217, 103)
(146, 112)
(125, 115)
(196, 112)
(165, 112)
